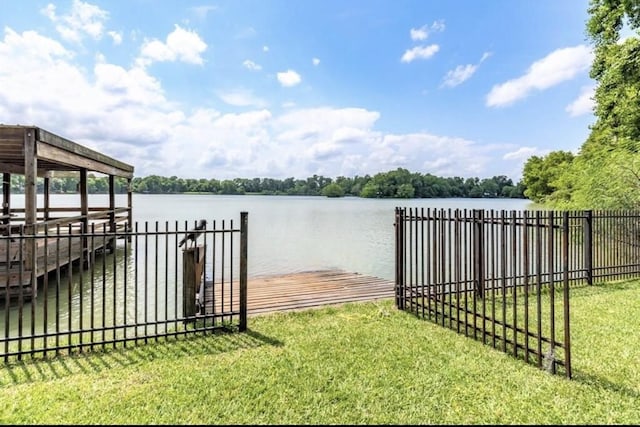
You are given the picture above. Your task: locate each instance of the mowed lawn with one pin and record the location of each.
(360, 363)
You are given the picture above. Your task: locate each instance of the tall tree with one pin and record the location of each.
(604, 173)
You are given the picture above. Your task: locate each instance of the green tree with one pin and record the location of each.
(333, 190)
(604, 174)
(370, 190)
(405, 191)
(541, 174)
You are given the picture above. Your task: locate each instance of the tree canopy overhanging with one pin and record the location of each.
(605, 173)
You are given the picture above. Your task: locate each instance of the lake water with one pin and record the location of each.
(287, 234)
(295, 233)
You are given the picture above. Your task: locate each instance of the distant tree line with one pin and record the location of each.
(70, 184)
(399, 183)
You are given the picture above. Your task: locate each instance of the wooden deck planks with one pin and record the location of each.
(298, 291)
(58, 254)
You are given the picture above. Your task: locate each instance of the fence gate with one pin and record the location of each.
(499, 277)
(82, 289)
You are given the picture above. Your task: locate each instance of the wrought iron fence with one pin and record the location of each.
(503, 277)
(67, 289)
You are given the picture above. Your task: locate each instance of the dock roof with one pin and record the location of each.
(53, 153)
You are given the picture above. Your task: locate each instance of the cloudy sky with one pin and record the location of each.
(284, 88)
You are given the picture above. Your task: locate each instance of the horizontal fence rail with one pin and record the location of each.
(64, 290)
(504, 277)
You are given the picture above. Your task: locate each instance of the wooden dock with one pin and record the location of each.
(297, 291)
(52, 253)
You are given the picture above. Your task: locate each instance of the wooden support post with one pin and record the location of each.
(111, 244)
(47, 205)
(84, 212)
(192, 271)
(130, 205)
(112, 203)
(6, 202)
(244, 229)
(31, 205)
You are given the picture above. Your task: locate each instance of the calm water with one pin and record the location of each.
(295, 233)
(287, 234)
(292, 234)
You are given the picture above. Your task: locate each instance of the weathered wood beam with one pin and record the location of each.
(19, 170)
(31, 204)
(30, 177)
(112, 203)
(81, 151)
(62, 156)
(6, 198)
(84, 196)
(130, 205)
(47, 203)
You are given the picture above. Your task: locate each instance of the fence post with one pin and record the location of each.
(399, 224)
(588, 245)
(244, 229)
(565, 293)
(478, 251)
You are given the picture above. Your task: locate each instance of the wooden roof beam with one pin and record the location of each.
(71, 159)
(19, 170)
(81, 151)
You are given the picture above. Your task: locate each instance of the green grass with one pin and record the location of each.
(355, 364)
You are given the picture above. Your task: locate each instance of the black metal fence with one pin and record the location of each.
(97, 288)
(504, 277)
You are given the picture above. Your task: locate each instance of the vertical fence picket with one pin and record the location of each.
(565, 294)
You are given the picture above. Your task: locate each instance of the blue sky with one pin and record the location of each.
(286, 88)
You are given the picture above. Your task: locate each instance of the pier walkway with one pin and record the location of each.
(298, 291)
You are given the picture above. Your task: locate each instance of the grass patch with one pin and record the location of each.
(362, 363)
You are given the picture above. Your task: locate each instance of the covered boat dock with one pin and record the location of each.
(31, 242)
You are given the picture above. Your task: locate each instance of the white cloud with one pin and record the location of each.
(242, 98)
(315, 61)
(250, 65)
(438, 25)
(265, 48)
(420, 34)
(181, 45)
(420, 52)
(584, 104)
(485, 56)
(90, 106)
(462, 73)
(559, 66)
(523, 153)
(84, 19)
(289, 78)
(115, 36)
